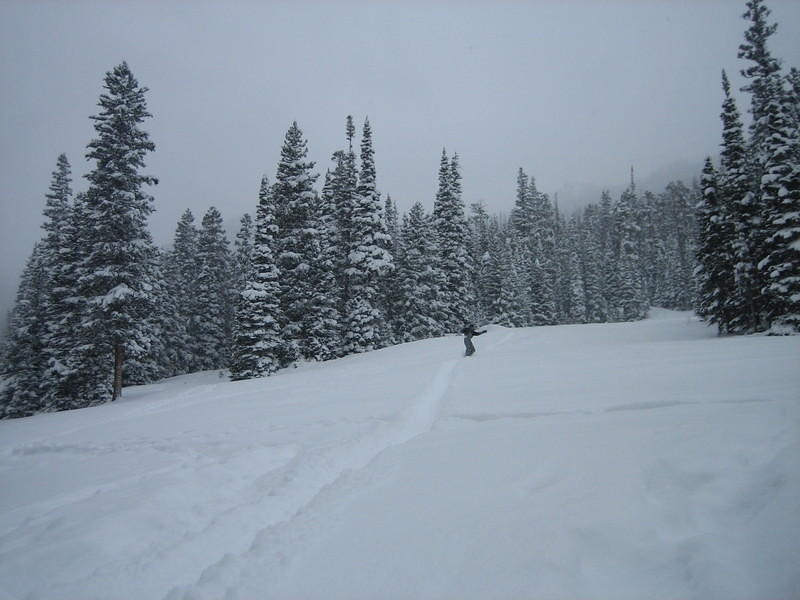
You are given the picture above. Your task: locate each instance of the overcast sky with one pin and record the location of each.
(575, 92)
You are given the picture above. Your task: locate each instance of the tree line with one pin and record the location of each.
(328, 267)
(749, 217)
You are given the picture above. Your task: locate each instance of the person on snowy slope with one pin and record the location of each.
(469, 331)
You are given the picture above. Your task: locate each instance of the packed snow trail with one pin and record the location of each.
(635, 460)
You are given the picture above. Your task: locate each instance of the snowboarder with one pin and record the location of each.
(469, 331)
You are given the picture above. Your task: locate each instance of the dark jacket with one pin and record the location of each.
(470, 330)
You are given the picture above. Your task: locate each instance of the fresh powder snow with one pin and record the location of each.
(634, 460)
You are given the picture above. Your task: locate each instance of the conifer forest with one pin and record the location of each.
(326, 266)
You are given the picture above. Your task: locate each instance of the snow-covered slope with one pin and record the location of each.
(637, 460)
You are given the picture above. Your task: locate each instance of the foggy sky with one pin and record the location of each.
(575, 92)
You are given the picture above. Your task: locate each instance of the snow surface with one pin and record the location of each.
(637, 460)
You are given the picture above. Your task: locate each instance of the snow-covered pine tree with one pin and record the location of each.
(576, 294)
(450, 226)
(214, 293)
(517, 276)
(257, 347)
(69, 375)
(522, 217)
(183, 274)
(478, 246)
(115, 277)
(156, 360)
(24, 360)
(342, 190)
(793, 81)
(632, 301)
(168, 351)
(609, 249)
(681, 228)
(652, 245)
(760, 72)
(308, 291)
(508, 281)
(714, 273)
(419, 309)
(780, 187)
(596, 308)
(392, 223)
(367, 262)
(57, 206)
(562, 267)
(56, 248)
(243, 253)
(734, 192)
(542, 262)
(324, 324)
(389, 282)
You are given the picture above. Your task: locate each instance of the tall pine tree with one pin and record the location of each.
(257, 342)
(116, 277)
(368, 260)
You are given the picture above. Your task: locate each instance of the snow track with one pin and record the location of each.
(302, 481)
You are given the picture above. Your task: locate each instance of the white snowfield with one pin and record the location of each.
(637, 460)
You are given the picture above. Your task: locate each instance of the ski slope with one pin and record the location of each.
(635, 460)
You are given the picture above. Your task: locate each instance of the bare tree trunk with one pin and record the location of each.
(119, 355)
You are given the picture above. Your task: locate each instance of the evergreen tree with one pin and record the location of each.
(780, 184)
(391, 223)
(324, 324)
(450, 226)
(419, 311)
(68, 375)
(342, 190)
(761, 70)
(57, 206)
(183, 277)
(308, 294)
(57, 250)
(257, 348)
(24, 361)
(243, 252)
(508, 285)
(681, 228)
(154, 361)
(516, 280)
(115, 277)
(166, 357)
(214, 297)
(478, 247)
(592, 268)
(390, 283)
(522, 215)
(368, 260)
(631, 299)
(714, 273)
(543, 268)
(735, 193)
(576, 294)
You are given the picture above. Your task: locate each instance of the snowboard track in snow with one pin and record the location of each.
(310, 475)
(631, 407)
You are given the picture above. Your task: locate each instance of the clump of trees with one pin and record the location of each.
(323, 273)
(749, 218)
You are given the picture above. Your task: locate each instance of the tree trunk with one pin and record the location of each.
(119, 355)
